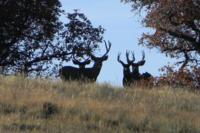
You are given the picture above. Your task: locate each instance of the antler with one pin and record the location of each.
(143, 55)
(81, 64)
(108, 46)
(140, 63)
(133, 56)
(127, 57)
(119, 60)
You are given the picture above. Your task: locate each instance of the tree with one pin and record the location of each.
(81, 36)
(176, 25)
(35, 42)
(24, 26)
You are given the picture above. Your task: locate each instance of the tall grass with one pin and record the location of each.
(60, 107)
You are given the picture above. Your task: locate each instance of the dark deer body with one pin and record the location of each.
(82, 73)
(73, 73)
(85, 74)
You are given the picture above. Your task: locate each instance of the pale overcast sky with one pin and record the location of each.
(123, 29)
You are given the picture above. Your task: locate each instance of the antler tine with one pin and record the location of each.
(133, 56)
(107, 47)
(119, 60)
(143, 55)
(105, 44)
(93, 57)
(127, 57)
(142, 62)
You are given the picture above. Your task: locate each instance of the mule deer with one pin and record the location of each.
(127, 76)
(73, 73)
(82, 73)
(135, 69)
(131, 76)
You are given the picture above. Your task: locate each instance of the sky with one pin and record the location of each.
(123, 30)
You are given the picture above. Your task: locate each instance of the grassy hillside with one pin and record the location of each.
(56, 107)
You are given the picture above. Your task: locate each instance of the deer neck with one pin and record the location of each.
(126, 72)
(135, 71)
(97, 67)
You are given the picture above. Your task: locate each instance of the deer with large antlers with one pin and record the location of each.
(135, 69)
(130, 77)
(73, 73)
(127, 76)
(82, 73)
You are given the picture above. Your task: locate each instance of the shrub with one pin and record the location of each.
(181, 78)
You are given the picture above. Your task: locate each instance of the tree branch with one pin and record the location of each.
(183, 36)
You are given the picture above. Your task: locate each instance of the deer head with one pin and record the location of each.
(135, 66)
(99, 60)
(79, 63)
(126, 67)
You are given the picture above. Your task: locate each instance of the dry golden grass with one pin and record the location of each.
(54, 106)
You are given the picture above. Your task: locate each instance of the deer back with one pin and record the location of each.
(69, 73)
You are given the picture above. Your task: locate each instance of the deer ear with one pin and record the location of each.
(141, 63)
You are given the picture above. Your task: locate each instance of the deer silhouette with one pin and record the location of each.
(135, 69)
(82, 73)
(127, 75)
(73, 73)
(131, 76)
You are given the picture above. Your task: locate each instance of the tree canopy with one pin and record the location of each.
(176, 26)
(24, 27)
(34, 41)
(80, 35)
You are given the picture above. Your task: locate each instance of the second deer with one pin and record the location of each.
(132, 76)
(82, 73)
